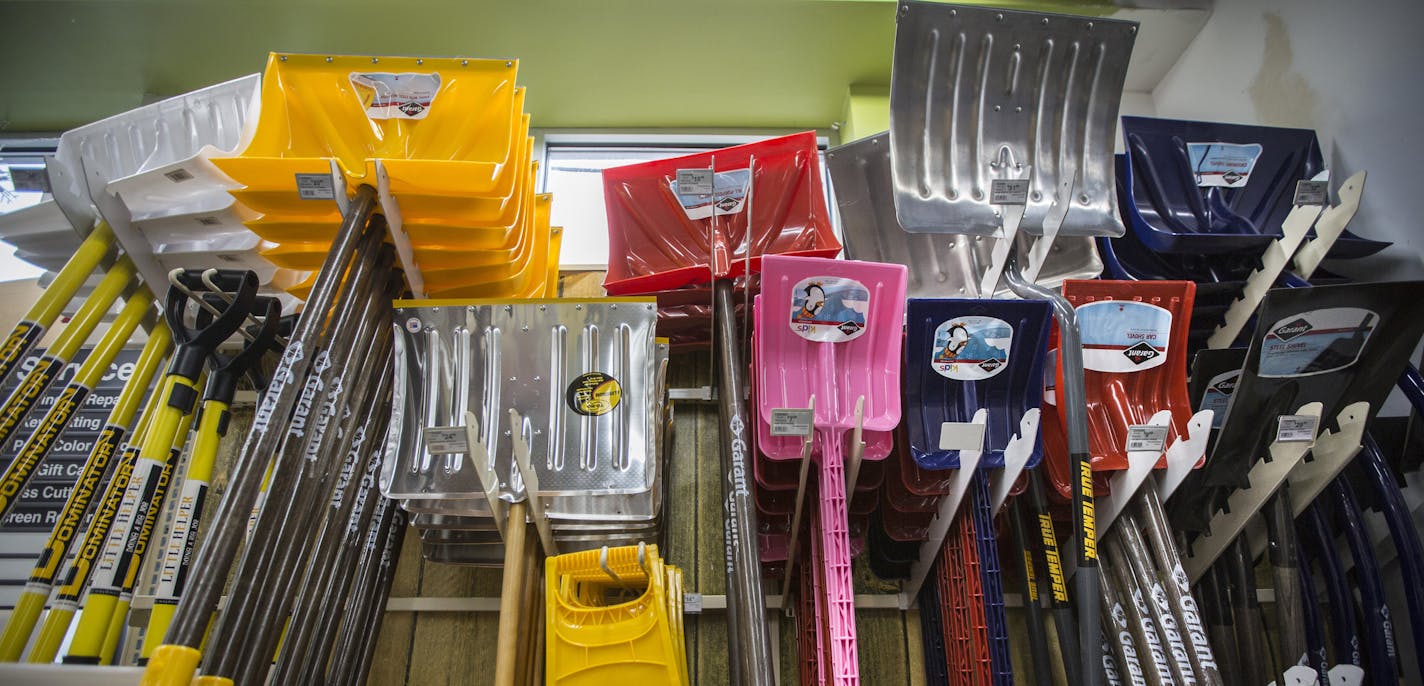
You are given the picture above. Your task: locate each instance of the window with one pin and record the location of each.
(572, 168)
(21, 183)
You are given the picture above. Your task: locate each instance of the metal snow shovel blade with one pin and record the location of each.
(832, 332)
(860, 172)
(1208, 187)
(964, 356)
(981, 96)
(761, 198)
(580, 371)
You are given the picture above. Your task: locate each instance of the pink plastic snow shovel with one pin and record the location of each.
(831, 342)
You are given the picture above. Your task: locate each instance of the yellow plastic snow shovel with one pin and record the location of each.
(442, 126)
(107, 447)
(529, 282)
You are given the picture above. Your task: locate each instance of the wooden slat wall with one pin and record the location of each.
(430, 648)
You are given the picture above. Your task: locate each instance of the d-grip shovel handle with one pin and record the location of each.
(226, 370)
(197, 343)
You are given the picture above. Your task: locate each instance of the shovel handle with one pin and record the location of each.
(507, 646)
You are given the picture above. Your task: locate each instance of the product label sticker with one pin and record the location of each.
(1316, 342)
(315, 187)
(692, 603)
(1225, 165)
(594, 394)
(971, 348)
(1218, 395)
(396, 96)
(694, 181)
(829, 309)
(1309, 192)
(1146, 437)
(444, 440)
(792, 422)
(727, 194)
(1296, 428)
(1008, 192)
(1123, 335)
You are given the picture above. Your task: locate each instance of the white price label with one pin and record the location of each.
(29, 179)
(1296, 428)
(692, 603)
(1008, 192)
(792, 422)
(445, 440)
(1146, 437)
(315, 187)
(694, 181)
(961, 436)
(1309, 192)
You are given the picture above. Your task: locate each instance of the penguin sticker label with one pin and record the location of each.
(829, 309)
(1122, 336)
(1315, 342)
(971, 348)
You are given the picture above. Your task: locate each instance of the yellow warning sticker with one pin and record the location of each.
(594, 394)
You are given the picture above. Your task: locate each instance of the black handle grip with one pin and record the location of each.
(222, 383)
(195, 344)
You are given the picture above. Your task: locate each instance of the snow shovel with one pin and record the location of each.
(107, 447)
(35, 447)
(47, 308)
(984, 354)
(1049, 148)
(178, 657)
(1206, 187)
(760, 199)
(860, 172)
(1402, 531)
(435, 137)
(839, 343)
(17, 406)
(212, 421)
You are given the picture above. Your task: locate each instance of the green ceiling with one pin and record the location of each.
(587, 63)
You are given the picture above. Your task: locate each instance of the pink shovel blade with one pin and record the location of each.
(832, 328)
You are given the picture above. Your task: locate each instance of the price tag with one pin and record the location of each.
(694, 181)
(792, 422)
(29, 179)
(1143, 437)
(1309, 192)
(1008, 192)
(1296, 428)
(315, 187)
(961, 436)
(692, 603)
(446, 440)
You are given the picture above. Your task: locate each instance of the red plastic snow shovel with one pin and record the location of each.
(709, 218)
(705, 217)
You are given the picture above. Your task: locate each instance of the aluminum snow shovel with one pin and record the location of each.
(1037, 154)
(939, 267)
